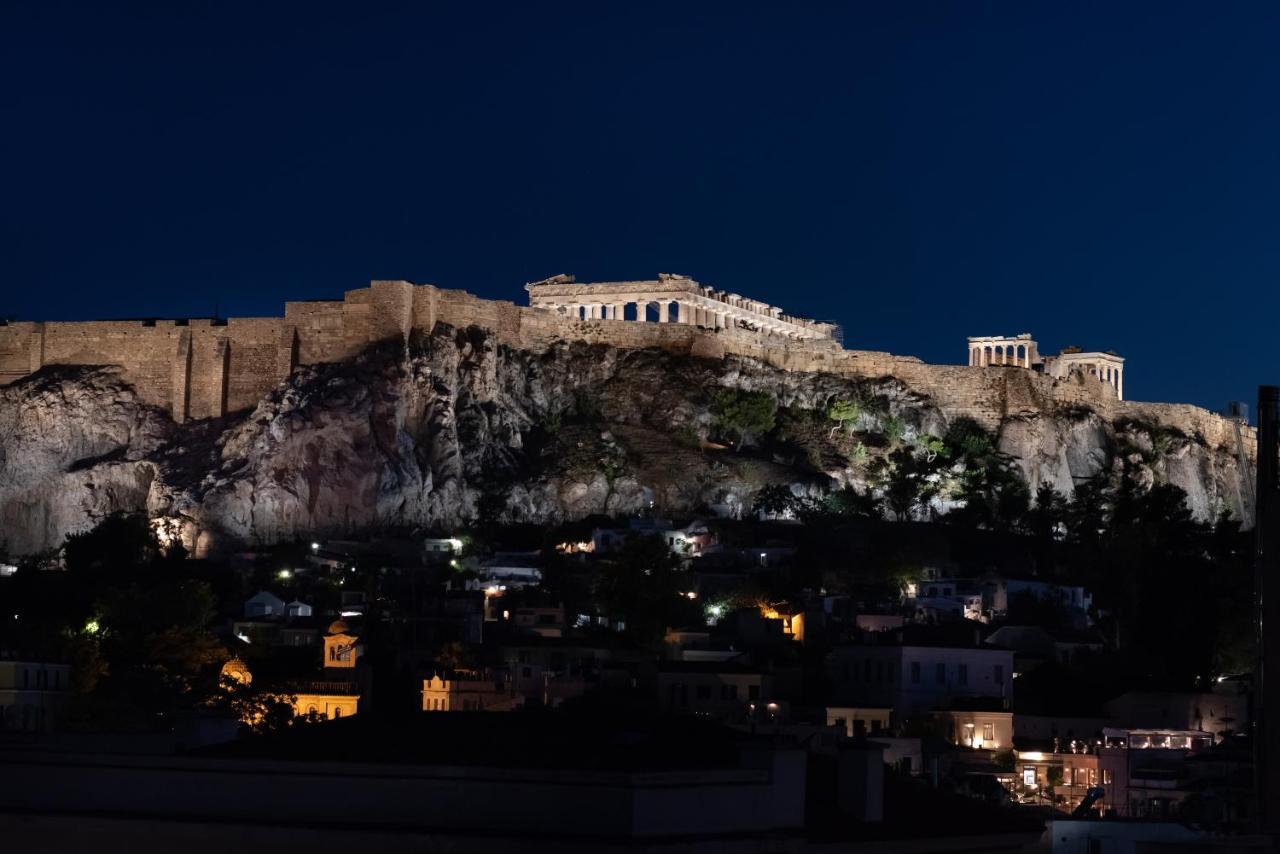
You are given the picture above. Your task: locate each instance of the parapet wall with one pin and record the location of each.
(204, 368)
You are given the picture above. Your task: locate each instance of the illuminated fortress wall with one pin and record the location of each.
(201, 368)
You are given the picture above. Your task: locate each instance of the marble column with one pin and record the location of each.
(663, 308)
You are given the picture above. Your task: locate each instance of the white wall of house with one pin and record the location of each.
(32, 694)
(915, 679)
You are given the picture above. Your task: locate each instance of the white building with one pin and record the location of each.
(998, 592)
(915, 679)
(856, 722)
(688, 541)
(264, 604)
(32, 694)
(933, 596)
(720, 689)
(978, 728)
(440, 548)
(511, 569)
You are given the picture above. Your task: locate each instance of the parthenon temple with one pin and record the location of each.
(669, 299)
(1023, 352)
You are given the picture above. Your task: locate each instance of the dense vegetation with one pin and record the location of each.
(1173, 595)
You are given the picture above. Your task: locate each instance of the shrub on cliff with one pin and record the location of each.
(909, 481)
(779, 502)
(893, 429)
(742, 416)
(845, 413)
(966, 439)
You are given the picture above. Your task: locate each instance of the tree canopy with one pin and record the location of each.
(742, 416)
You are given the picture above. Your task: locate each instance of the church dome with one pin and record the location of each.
(235, 669)
(338, 627)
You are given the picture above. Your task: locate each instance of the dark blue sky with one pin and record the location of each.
(1104, 175)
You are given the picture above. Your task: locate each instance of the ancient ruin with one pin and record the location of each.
(1023, 352)
(206, 368)
(669, 299)
(264, 429)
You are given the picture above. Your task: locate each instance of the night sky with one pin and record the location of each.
(1106, 175)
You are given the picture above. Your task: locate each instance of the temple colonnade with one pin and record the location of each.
(1018, 350)
(674, 311)
(1108, 368)
(669, 299)
(1023, 352)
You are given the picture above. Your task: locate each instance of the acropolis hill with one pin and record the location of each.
(108, 415)
(203, 368)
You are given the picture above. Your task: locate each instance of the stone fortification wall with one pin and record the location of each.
(196, 368)
(204, 368)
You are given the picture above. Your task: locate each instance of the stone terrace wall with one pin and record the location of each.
(201, 368)
(192, 369)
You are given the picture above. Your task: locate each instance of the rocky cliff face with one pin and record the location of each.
(75, 444)
(431, 433)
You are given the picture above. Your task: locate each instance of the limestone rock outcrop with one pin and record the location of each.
(433, 431)
(75, 445)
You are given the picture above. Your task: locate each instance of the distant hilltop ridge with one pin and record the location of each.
(262, 430)
(203, 368)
